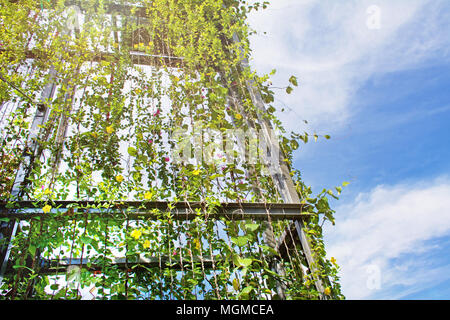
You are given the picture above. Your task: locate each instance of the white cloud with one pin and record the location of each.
(328, 46)
(384, 227)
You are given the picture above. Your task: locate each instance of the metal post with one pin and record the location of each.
(25, 167)
(282, 178)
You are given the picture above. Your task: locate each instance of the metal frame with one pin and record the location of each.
(39, 119)
(291, 209)
(283, 179)
(135, 210)
(141, 264)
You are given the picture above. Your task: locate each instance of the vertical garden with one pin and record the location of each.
(135, 161)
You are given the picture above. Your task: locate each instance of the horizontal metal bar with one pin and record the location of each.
(134, 210)
(115, 8)
(156, 60)
(137, 59)
(55, 266)
(152, 204)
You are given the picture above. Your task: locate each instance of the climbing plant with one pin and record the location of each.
(121, 90)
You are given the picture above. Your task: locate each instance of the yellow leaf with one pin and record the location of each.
(119, 178)
(238, 116)
(327, 291)
(196, 172)
(136, 234)
(197, 243)
(110, 129)
(236, 284)
(146, 244)
(148, 195)
(46, 208)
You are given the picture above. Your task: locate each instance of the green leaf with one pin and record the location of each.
(252, 227)
(293, 81)
(19, 267)
(345, 183)
(32, 250)
(270, 249)
(289, 90)
(294, 144)
(236, 284)
(214, 176)
(246, 262)
(304, 138)
(239, 241)
(241, 262)
(245, 292)
(327, 136)
(132, 151)
(330, 217)
(242, 186)
(237, 260)
(73, 274)
(85, 239)
(54, 286)
(61, 293)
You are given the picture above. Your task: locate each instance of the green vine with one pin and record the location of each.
(125, 79)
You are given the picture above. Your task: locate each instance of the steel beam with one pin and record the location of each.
(25, 167)
(134, 210)
(58, 266)
(138, 58)
(281, 177)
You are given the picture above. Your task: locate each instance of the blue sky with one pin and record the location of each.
(383, 95)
